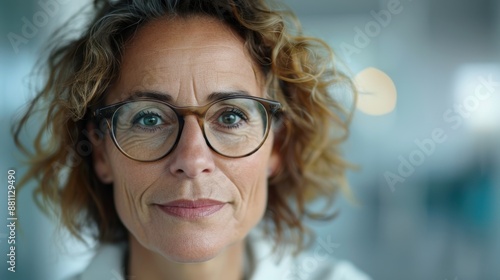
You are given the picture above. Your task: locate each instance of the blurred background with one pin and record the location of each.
(424, 136)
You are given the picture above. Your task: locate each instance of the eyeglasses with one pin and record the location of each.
(148, 130)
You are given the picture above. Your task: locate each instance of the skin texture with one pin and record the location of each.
(187, 59)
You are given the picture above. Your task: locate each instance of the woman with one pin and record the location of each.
(176, 127)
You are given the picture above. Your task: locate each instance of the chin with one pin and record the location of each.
(188, 249)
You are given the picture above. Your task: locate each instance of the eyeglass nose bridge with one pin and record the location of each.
(199, 112)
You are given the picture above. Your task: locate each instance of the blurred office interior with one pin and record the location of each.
(427, 188)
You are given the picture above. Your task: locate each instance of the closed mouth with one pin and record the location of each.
(192, 209)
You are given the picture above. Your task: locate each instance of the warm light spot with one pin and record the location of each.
(377, 92)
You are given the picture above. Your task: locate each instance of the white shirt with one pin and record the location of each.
(107, 264)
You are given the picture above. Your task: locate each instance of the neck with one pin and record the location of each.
(145, 264)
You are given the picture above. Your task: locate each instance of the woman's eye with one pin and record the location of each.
(229, 118)
(232, 118)
(148, 119)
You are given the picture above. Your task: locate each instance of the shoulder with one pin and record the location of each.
(307, 266)
(107, 263)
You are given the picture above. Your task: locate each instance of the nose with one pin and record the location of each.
(192, 156)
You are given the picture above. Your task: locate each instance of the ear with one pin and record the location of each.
(100, 161)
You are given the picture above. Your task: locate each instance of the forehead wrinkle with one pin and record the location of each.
(194, 91)
(205, 54)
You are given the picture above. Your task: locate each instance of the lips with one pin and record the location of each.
(192, 209)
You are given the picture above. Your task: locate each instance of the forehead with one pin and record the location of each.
(186, 58)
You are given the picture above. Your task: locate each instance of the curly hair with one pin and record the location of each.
(300, 72)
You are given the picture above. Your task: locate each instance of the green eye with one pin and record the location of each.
(229, 118)
(149, 120)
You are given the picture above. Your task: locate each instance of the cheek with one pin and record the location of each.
(257, 200)
(251, 181)
(130, 174)
(131, 181)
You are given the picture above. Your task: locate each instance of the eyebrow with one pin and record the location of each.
(161, 96)
(221, 94)
(166, 97)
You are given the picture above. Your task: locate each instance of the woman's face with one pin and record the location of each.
(187, 60)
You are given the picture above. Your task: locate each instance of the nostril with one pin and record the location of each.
(179, 171)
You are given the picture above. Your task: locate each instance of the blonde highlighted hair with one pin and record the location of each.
(300, 72)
